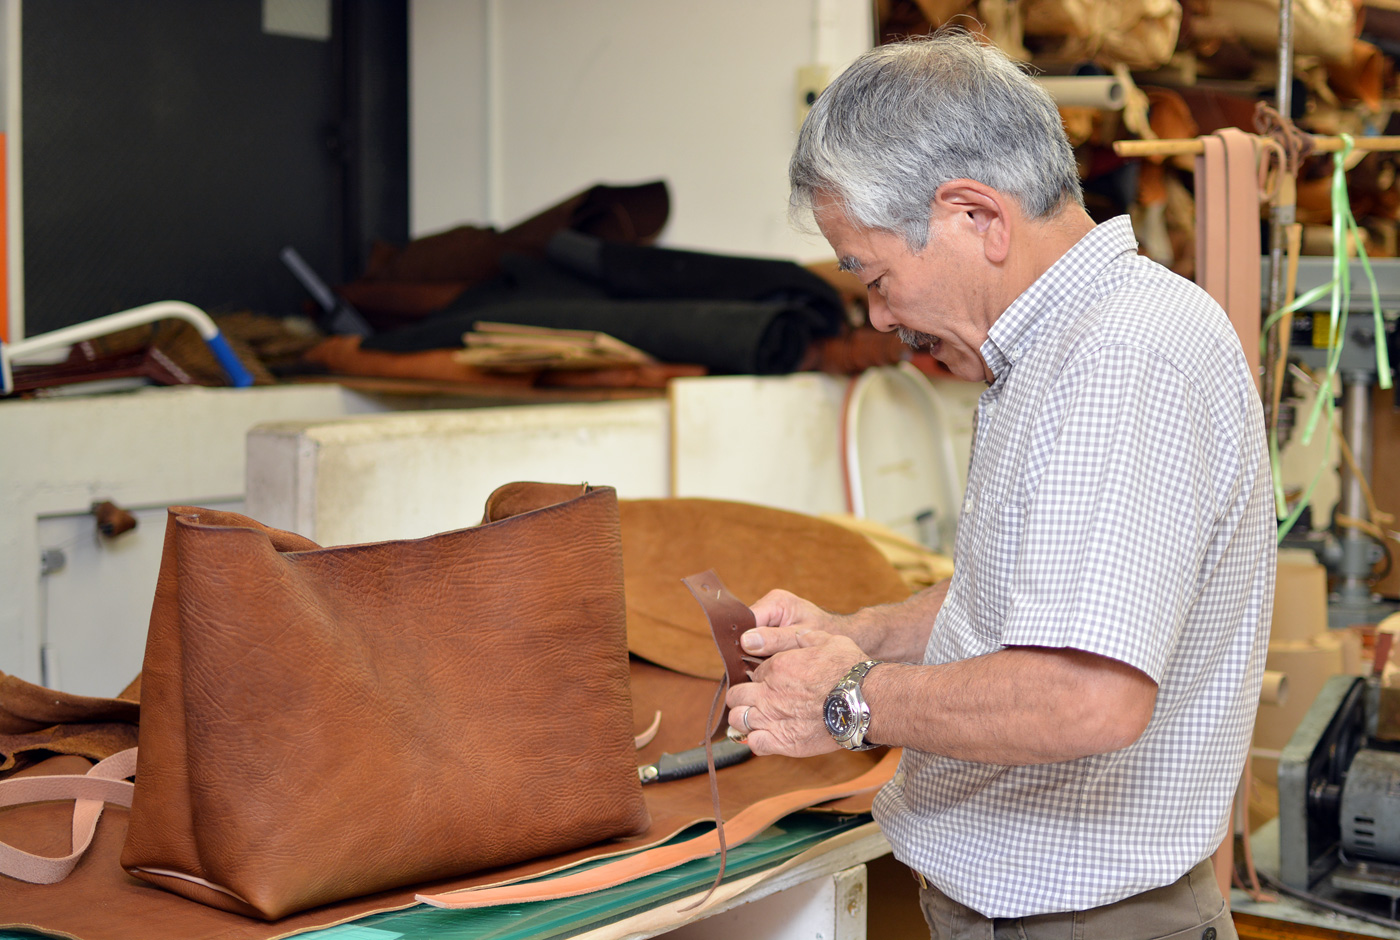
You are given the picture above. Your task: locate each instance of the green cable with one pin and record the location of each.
(1343, 225)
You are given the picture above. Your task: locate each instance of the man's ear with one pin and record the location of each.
(984, 211)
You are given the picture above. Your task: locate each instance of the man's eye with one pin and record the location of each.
(876, 284)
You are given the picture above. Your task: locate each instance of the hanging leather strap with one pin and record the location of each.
(1227, 232)
(105, 783)
(729, 618)
(1242, 184)
(1212, 220)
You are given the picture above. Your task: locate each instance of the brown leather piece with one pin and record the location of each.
(748, 823)
(401, 285)
(342, 355)
(729, 618)
(36, 722)
(305, 703)
(26, 707)
(757, 548)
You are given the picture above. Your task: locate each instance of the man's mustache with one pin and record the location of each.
(914, 338)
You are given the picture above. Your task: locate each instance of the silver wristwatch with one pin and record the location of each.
(846, 713)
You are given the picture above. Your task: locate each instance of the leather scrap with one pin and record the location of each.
(758, 548)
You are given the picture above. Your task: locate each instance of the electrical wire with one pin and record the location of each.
(1327, 904)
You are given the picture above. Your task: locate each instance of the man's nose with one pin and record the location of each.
(880, 316)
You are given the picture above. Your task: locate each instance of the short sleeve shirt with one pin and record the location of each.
(1118, 502)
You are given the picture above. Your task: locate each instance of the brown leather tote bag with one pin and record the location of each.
(323, 723)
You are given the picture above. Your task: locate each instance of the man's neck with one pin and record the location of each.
(1042, 242)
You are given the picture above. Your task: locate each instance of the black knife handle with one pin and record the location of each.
(692, 762)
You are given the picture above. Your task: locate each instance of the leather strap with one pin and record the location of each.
(105, 783)
(1242, 184)
(746, 824)
(729, 618)
(1227, 232)
(1212, 232)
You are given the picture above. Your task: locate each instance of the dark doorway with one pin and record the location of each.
(171, 149)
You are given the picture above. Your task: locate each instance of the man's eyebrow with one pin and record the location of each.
(849, 264)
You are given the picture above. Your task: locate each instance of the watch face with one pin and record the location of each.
(839, 719)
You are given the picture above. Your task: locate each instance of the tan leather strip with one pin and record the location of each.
(1227, 233)
(1212, 233)
(1242, 274)
(104, 783)
(729, 618)
(746, 824)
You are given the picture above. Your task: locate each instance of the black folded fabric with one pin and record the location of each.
(725, 336)
(644, 271)
(732, 315)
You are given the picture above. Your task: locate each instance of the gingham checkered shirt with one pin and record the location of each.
(1118, 502)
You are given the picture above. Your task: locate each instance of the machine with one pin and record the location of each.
(1339, 794)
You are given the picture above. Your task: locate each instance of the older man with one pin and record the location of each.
(1076, 703)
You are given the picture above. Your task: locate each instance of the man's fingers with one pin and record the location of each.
(742, 719)
(776, 608)
(765, 641)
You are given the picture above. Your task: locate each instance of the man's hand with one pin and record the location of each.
(782, 617)
(781, 709)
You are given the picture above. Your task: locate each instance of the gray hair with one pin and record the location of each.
(906, 118)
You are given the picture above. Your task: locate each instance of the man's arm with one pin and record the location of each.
(1021, 705)
(891, 631)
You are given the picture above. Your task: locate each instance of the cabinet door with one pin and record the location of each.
(95, 598)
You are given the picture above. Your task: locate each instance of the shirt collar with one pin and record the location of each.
(1014, 332)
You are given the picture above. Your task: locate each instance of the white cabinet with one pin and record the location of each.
(144, 451)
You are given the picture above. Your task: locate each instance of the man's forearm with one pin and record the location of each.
(898, 632)
(1021, 705)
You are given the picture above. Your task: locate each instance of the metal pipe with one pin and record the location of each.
(1283, 213)
(113, 322)
(1283, 96)
(1357, 552)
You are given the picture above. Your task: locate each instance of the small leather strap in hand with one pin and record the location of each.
(729, 619)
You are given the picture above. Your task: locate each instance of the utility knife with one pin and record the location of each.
(692, 762)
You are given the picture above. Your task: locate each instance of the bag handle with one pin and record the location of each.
(105, 783)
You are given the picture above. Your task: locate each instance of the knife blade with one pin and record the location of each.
(692, 762)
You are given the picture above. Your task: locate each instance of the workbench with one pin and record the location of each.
(805, 877)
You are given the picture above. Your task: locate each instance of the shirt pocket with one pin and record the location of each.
(995, 554)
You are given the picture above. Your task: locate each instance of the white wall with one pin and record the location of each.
(447, 114)
(564, 94)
